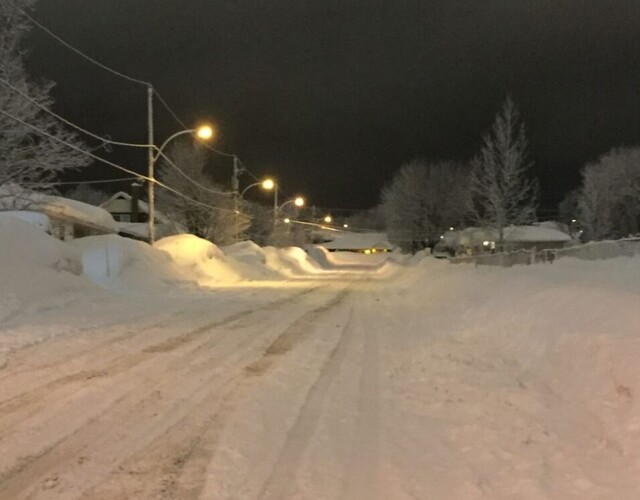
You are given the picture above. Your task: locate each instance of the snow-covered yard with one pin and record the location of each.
(188, 371)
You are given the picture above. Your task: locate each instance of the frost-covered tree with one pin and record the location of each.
(500, 191)
(261, 225)
(208, 211)
(27, 158)
(423, 200)
(609, 198)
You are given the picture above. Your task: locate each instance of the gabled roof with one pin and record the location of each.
(57, 207)
(143, 206)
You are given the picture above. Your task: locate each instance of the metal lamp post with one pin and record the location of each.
(204, 133)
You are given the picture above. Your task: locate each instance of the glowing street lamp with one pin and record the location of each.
(298, 201)
(204, 133)
(266, 184)
(328, 219)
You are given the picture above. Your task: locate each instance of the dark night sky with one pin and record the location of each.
(332, 96)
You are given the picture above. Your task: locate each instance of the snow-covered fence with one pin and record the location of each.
(594, 250)
(504, 259)
(589, 251)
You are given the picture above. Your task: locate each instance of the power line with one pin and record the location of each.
(115, 165)
(68, 122)
(73, 146)
(109, 141)
(126, 77)
(74, 183)
(192, 200)
(82, 54)
(186, 176)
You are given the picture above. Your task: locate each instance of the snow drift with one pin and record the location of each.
(123, 264)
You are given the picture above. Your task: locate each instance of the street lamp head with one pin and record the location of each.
(299, 201)
(287, 220)
(204, 132)
(268, 184)
(328, 219)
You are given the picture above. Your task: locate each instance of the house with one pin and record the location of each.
(63, 218)
(132, 217)
(475, 240)
(358, 242)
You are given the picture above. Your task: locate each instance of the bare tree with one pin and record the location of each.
(501, 193)
(609, 198)
(423, 200)
(207, 211)
(27, 158)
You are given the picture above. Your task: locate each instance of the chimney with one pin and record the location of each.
(135, 196)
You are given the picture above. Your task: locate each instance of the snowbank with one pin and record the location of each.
(292, 261)
(123, 264)
(200, 259)
(347, 261)
(36, 269)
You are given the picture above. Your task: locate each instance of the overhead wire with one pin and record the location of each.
(186, 176)
(110, 163)
(106, 140)
(7, 84)
(120, 74)
(72, 146)
(75, 183)
(81, 53)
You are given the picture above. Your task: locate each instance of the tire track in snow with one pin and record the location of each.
(361, 479)
(192, 480)
(188, 445)
(74, 445)
(280, 484)
(120, 363)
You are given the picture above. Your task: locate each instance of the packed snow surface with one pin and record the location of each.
(133, 372)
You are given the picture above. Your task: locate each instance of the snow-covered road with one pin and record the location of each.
(412, 382)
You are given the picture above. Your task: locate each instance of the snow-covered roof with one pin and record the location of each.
(143, 206)
(57, 207)
(77, 211)
(534, 233)
(473, 236)
(358, 241)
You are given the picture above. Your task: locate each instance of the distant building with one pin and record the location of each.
(63, 218)
(132, 217)
(475, 241)
(358, 242)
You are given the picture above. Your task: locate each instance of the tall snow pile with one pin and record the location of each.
(254, 260)
(118, 263)
(200, 259)
(293, 261)
(35, 267)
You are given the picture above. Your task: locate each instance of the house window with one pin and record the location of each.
(122, 217)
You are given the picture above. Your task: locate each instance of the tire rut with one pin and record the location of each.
(72, 445)
(280, 484)
(127, 361)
